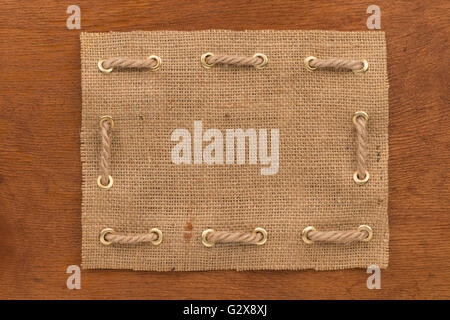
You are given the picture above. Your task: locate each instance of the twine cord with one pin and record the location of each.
(337, 63)
(131, 239)
(234, 60)
(130, 63)
(105, 152)
(108, 236)
(337, 236)
(234, 237)
(362, 149)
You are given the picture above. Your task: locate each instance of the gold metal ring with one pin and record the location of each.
(368, 230)
(364, 68)
(100, 66)
(305, 235)
(361, 181)
(264, 234)
(360, 114)
(159, 234)
(263, 64)
(205, 64)
(103, 234)
(106, 118)
(105, 187)
(205, 241)
(158, 62)
(307, 65)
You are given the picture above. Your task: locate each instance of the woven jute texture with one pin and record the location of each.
(313, 186)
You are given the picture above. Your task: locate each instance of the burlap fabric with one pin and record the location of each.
(313, 185)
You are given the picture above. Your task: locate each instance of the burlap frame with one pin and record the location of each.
(313, 186)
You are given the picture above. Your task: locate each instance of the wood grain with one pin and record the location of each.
(40, 170)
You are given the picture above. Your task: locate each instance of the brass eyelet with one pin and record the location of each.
(263, 64)
(359, 114)
(159, 234)
(103, 234)
(368, 230)
(205, 241)
(361, 181)
(205, 64)
(106, 118)
(158, 62)
(102, 69)
(305, 235)
(107, 186)
(364, 68)
(307, 65)
(264, 234)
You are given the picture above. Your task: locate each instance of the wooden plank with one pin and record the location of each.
(40, 170)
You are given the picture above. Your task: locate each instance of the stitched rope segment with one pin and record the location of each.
(129, 63)
(105, 179)
(131, 239)
(108, 65)
(234, 237)
(360, 120)
(337, 236)
(337, 64)
(210, 237)
(357, 66)
(258, 60)
(234, 60)
(109, 236)
(363, 233)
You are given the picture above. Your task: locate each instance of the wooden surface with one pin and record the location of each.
(40, 170)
